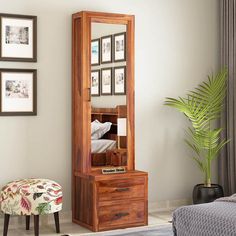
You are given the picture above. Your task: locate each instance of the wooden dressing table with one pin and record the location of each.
(103, 202)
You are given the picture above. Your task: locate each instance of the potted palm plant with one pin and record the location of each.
(203, 107)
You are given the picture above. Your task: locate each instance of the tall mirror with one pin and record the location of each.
(108, 95)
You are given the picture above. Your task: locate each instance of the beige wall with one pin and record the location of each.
(176, 46)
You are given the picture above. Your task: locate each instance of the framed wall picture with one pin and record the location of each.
(95, 83)
(106, 81)
(18, 38)
(106, 50)
(95, 52)
(18, 92)
(120, 47)
(120, 80)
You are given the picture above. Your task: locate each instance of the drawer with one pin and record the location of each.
(119, 189)
(125, 214)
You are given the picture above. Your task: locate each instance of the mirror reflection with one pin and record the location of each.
(108, 95)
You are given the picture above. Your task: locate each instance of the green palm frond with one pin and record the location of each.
(203, 106)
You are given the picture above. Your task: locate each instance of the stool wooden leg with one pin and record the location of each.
(6, 224)
(36, 225)
(57, 223)
(27, 222)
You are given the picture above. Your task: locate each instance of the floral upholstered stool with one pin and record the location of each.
(31, 197)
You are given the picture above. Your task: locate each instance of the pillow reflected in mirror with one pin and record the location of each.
(99, 129)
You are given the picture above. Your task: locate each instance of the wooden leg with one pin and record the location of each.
(56, 217)
(27, 222)
(36, 225)
(6, 224)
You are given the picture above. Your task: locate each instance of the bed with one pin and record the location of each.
(102, 145)
(210, 219)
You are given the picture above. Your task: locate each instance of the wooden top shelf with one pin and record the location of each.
(97, 175)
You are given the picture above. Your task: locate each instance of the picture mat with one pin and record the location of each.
(119, 55)
(95, 52)
(17, 50)
(16, 104)
(106, 77)
(106, 57)
(119, 85)
(95, 89)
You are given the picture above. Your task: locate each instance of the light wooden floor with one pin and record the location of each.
(155, 219)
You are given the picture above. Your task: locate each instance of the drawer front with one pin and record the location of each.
(119, 189)
(124, 214)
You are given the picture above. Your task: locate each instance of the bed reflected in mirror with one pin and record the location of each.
(108, 95)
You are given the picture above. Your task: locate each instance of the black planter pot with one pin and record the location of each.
(203, 194)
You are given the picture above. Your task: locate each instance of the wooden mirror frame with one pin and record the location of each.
(81, 87)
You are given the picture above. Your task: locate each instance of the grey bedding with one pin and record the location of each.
(211, 219)
(102, 145)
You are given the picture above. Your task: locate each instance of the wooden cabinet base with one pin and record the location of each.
(106, 202)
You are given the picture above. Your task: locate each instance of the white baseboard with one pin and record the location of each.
(167, 205)
(66, 216)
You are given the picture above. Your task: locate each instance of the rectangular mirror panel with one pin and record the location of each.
(108, 95)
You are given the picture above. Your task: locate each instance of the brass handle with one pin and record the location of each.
(122, 189)
(121, 214)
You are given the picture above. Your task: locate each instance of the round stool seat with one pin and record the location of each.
(31, 197)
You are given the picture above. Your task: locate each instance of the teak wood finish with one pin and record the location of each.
(102, 202)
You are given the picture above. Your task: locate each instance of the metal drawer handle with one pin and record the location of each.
(122, 189)
(121, 214)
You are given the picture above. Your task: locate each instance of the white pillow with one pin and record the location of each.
(99, 129)
(94, 126)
